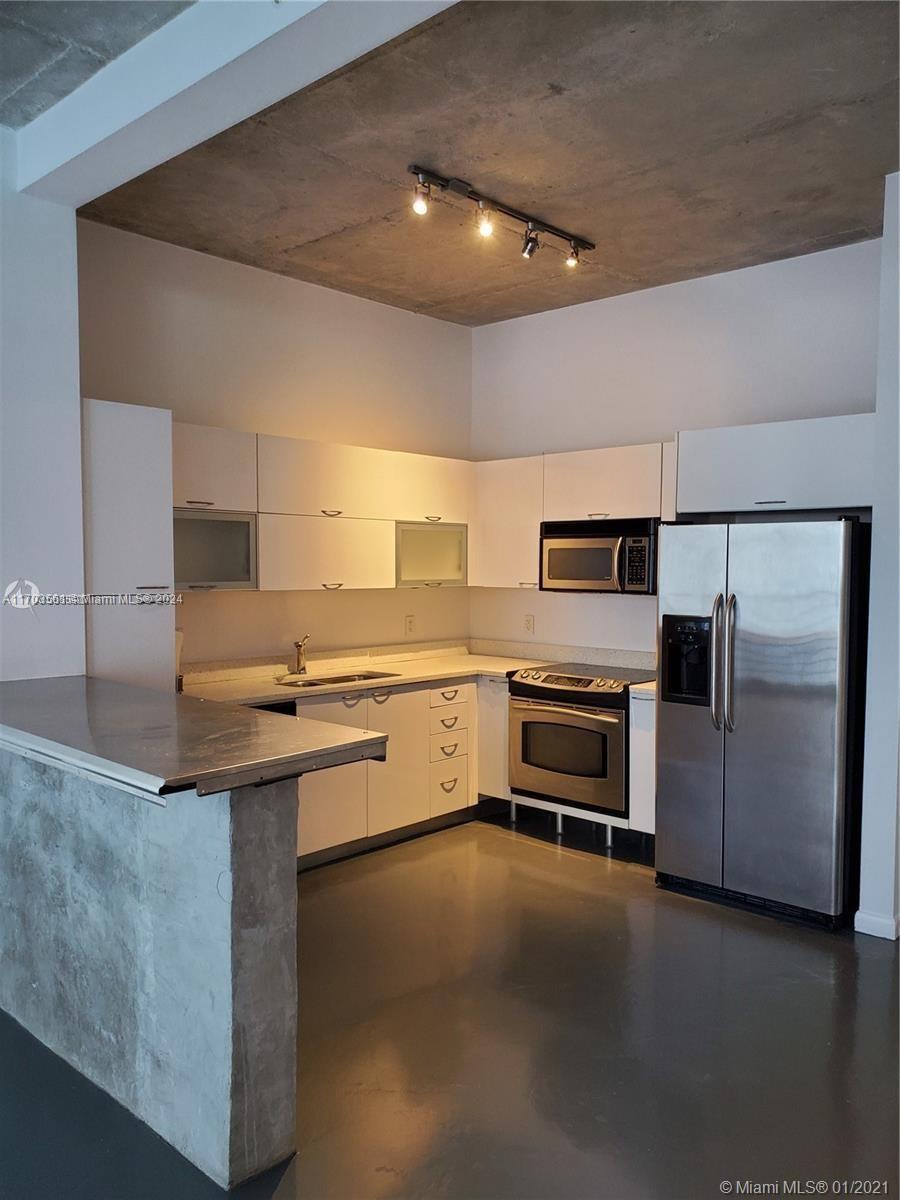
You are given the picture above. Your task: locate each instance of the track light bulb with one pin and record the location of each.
(485, 222)
(420, 199)
(531, 244)
(572, 260)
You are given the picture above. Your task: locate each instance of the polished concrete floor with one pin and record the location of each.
(489, 1015)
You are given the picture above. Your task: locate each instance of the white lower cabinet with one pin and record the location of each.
(324, 553)
(642, 763)
(398, 788)
(449, 786)
(332, 808)
(493, 738)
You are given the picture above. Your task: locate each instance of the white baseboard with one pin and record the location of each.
(877, 925)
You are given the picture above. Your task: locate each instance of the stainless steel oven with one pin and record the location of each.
(568, 752)
(599, 556)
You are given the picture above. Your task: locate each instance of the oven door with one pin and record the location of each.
(591, 564)
(568, 753)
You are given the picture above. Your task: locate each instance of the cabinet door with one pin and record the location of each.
(324, 479)
(332, 808)
(623, 481)
(493, 738)
(316, 553)
(425, 488)
(128, 541)
(668, 506)
(504, 539)
(399, 787)
(826, 462)
(642, 764)
(213, 468)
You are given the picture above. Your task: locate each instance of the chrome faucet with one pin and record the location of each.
(300, 664)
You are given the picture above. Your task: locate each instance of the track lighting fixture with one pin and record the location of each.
(488, 210)
(421, 197)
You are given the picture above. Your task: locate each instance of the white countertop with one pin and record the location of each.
(249, 689)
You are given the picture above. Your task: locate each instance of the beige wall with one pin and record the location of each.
(224, 344)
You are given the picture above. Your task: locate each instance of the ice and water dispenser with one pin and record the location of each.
(685, 660)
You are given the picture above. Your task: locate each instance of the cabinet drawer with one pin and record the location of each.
(449, 786)
(450, 717)
(451, 693)
(449, 745)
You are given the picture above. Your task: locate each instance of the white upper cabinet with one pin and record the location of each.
(669, 476)
(317, 553)
(622, 481)
(826, 462)
(213, 468)
(325, 479)
(504, 539)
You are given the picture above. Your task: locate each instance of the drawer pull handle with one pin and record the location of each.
(522, 583)
(451, 695)
(770, 501)
(380, 697)
(432, 518)
(351, 701)
(449, 784)
(208, 503)
(331, 512)
(332, 587)
(449, 751)
(201, 587)
(449, 722)
(606, 514)
(152, 587)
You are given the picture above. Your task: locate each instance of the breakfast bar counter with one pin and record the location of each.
(148, 920)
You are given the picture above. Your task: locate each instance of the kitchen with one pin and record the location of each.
(466, 484)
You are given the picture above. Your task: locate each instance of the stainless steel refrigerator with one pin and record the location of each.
(756, 631)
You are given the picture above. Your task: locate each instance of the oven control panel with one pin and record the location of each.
(637, 564)
(569, 683)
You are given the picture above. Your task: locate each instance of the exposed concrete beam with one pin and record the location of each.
(217, 63)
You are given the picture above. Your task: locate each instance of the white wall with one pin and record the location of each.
(789, 339)
(253, 624)
(879, 891)
(40, 429)
(224, 344)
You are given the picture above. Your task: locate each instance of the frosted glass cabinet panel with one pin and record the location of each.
(431, 555)
(215, 550)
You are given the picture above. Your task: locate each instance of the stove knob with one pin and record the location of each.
(536, 676)
(524, 674)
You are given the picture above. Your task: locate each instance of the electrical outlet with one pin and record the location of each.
(528, 624)
(409, 624)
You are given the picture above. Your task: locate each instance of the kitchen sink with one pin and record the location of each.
(358, 677)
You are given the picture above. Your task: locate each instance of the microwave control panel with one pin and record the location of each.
(638, 573)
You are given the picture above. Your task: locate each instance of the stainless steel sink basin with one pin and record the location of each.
(358, 677)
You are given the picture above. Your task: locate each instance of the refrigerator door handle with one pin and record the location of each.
(730, 615)
(715, 677)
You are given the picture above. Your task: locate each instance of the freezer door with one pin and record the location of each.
(785, 700)
(690, 735)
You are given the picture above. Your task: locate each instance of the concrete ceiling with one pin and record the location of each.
(48, 48)
(684, 139)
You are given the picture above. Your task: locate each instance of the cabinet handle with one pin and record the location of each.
(432, 518)
(352, 701)
(451, 695)
(449, 784)
(523, 583)
(449, 722)
(449, 751)
(380, 697)
(606, 514)
(331, 512)
(201, 587)
(152, 587)
(432, 583)
(332, 587)
(206, 502)
(770, 501)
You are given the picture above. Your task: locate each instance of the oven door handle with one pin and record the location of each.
(561, 710)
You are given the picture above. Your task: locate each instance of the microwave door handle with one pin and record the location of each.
(618, 564)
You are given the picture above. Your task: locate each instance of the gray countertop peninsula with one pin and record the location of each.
(158, 742)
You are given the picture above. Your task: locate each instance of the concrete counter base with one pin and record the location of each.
(154, 949)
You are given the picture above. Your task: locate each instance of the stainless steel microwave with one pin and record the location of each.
(599, 556)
